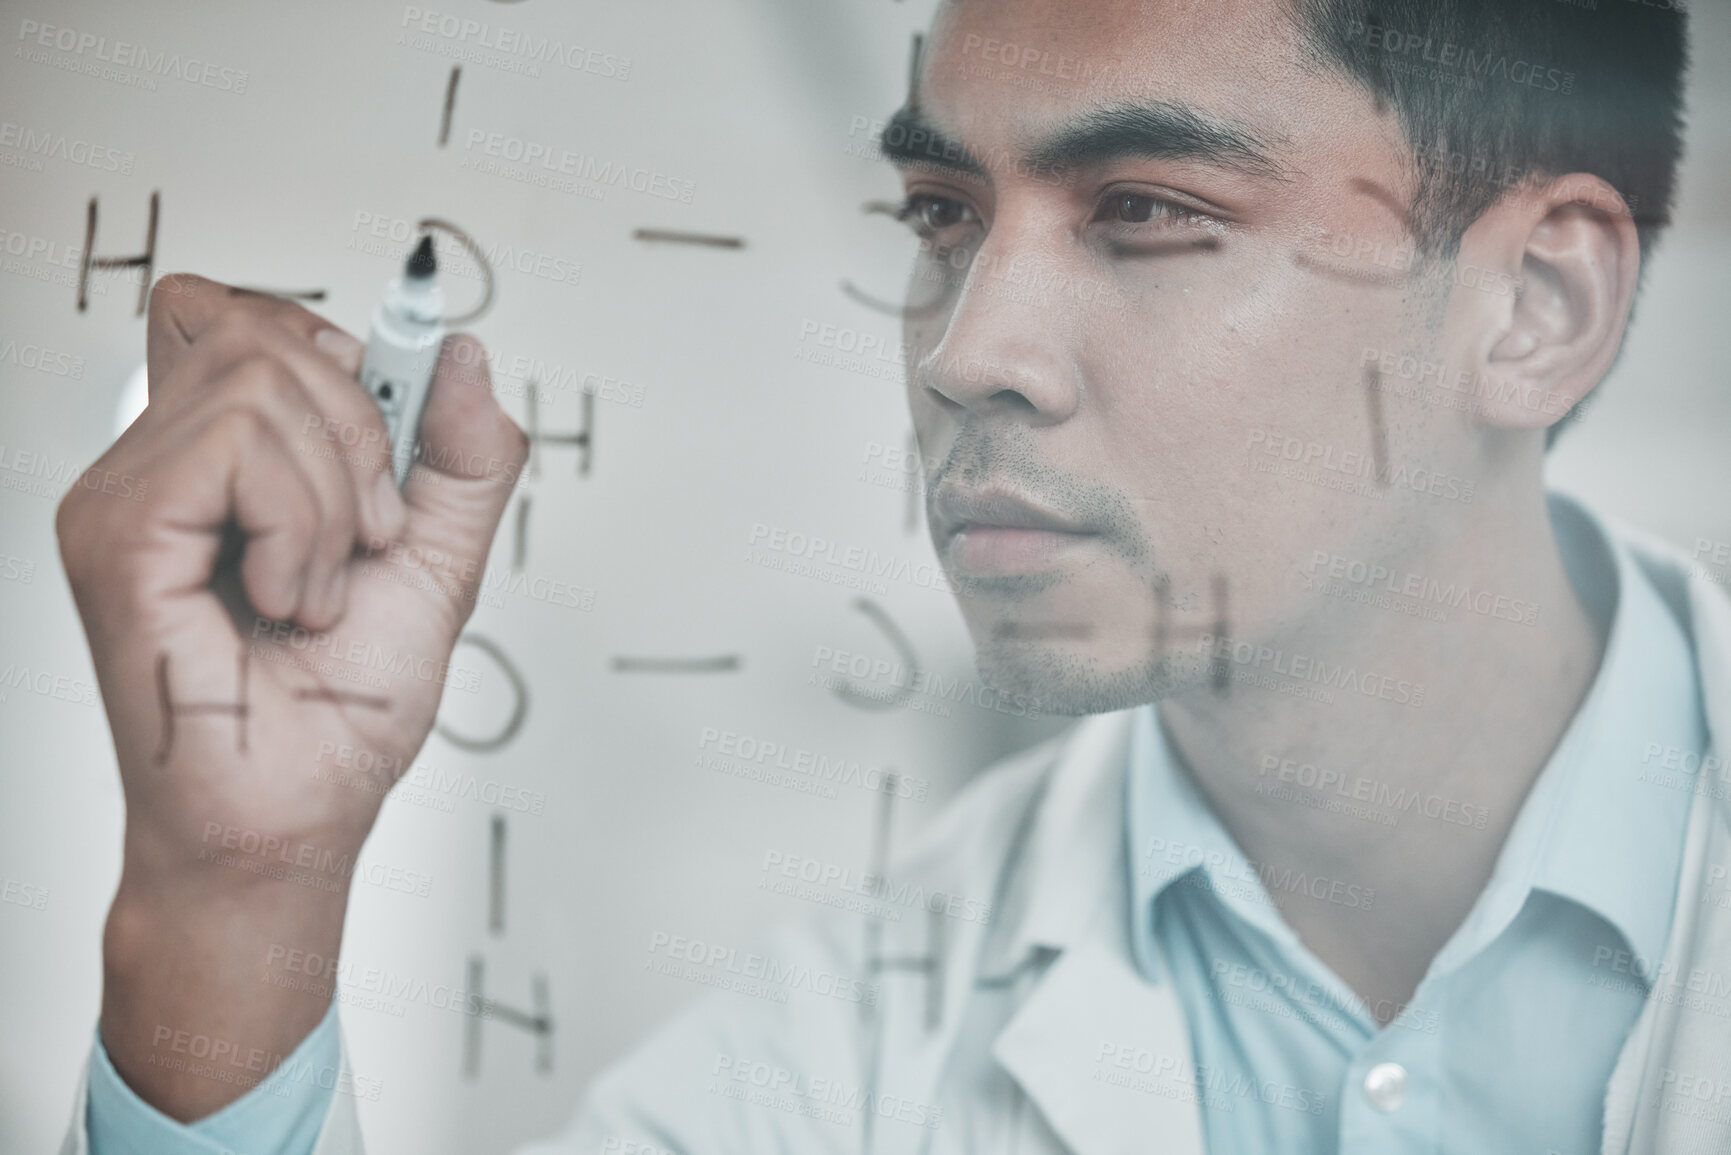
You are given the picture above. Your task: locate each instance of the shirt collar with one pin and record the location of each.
(1599, 827)
(1175, 839)
(1594, 829)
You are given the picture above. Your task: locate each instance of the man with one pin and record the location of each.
(1369, 851)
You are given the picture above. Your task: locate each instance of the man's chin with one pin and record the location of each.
(1059, 681)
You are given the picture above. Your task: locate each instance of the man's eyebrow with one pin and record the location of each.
(911, 139)
(1160, 129)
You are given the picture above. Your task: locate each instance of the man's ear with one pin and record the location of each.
(1544, 283)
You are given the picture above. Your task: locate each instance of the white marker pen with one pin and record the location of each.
(403, 350)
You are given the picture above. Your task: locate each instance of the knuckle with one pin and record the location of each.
(300, 321)
(69, 518)
(243, 425)
(266, 379)
(350, 435)
(131, 571)
(343, 503)
(301, 515)
(174, 286)
(335, 548)
(333, 488)
(346, 526)
(355, 409)
(235, 326)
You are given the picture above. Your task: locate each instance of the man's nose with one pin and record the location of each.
(1008, 348)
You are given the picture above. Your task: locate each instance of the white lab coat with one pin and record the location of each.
(1009, 1052)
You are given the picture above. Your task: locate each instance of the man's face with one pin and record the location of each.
(1160, 247)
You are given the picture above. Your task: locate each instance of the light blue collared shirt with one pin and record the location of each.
(1508, 1042)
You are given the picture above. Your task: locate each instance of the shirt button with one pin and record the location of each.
(1385, 1086)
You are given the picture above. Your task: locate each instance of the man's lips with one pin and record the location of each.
(958, 509)
(996, 531)
(984, 550)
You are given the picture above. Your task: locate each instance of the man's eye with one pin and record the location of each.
(933, 214)
(1138, 208)
(1129, 208)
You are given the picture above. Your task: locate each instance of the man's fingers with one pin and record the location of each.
(228, 465)
(181, 307)
(184, 307)
(280, 398)
(345, 350)
(246, 365)
(343, 424)
(299, 510)
(277, 506)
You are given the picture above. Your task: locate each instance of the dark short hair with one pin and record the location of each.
(1491, 92)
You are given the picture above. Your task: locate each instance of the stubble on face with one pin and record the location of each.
(1034, 634)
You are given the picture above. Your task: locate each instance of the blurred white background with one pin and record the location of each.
(719, 416)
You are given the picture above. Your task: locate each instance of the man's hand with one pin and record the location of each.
(268, 600)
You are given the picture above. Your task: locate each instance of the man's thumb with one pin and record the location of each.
(470, 459)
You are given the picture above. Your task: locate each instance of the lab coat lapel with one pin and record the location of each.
(1105, 1056)
(1067, 872)
(1681, 1034)
(1091, 1010)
